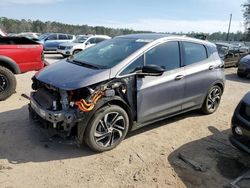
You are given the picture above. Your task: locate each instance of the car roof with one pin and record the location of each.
(150, 37)
(146, 36)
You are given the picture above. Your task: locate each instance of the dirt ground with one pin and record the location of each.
(148, 157)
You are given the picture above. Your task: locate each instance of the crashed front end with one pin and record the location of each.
(67, 112)
(52, 108)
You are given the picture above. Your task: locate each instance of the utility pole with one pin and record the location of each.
(229, 27)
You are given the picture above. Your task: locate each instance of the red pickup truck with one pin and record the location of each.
(17, 55)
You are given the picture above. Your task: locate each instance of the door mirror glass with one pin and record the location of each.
(153, 70)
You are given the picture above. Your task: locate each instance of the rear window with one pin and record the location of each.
(194, 53)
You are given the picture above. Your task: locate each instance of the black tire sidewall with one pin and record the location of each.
(90, 130)
(205, 109)
(11, 85)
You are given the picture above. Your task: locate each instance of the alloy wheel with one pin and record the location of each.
(3, 83)
(110, 129)
(213, 99)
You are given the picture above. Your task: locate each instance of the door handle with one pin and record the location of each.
(179, 77)
(211, 67)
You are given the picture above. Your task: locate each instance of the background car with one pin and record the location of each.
(80, 43)
(2, 33)
(51, 41)
(125, 83)
(231, 54)
(241, 125)
(244, 66)
(30, 35)
(17, 55)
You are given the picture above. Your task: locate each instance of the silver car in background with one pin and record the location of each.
(125, 83)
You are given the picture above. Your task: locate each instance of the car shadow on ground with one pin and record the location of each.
(164, 122)
(216, 162)
(234, 77)
(21, 141)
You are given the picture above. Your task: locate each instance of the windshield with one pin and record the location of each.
(81, 39)
(43, 36)
(110, 52)
(223, 50)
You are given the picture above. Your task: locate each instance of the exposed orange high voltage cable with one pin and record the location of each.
(85, 106)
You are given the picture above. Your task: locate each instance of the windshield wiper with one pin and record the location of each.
(82, 63)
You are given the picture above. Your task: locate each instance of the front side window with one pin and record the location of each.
(134, 66)
(166, 55)
(109, 52)
(194, 53)
(52, 37)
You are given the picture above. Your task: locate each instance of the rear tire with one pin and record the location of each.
(7, 83)
(212, 100)
(107, 128)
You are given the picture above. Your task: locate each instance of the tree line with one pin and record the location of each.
(37, 26)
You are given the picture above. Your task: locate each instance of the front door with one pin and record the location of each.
(158, 96)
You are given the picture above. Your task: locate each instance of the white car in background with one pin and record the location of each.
(80, 43)
(2, 33)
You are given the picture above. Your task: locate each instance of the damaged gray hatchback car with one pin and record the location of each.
(125, 83)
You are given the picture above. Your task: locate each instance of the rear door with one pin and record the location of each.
(158, 96)
(200, 73)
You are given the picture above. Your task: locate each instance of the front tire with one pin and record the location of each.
(107, 128)
(212, 100)
(7, 83)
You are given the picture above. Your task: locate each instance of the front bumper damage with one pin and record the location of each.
(65, 118)
(62, 121)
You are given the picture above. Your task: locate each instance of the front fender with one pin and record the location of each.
(9, 63)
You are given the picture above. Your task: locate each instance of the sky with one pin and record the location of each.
(151, 15)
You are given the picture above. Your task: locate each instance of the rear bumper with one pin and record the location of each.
(241, 142)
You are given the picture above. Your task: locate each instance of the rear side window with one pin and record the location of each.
(193, 53)
(63, 37)
(166, 55)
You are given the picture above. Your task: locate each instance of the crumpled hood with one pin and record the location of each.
(67, 76)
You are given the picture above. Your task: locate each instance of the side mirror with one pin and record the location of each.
(87, 43)
(152, 70)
